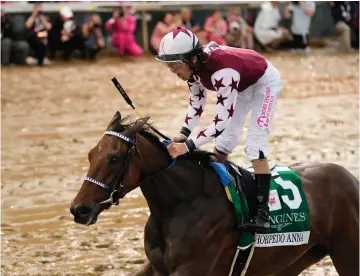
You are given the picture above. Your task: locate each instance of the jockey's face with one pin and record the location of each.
(181, 69)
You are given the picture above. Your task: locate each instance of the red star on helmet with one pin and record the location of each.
(180, 30)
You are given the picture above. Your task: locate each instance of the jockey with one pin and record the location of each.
(243, 80)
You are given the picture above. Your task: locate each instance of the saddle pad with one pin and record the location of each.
(289, 212)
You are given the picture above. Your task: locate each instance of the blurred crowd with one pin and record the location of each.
(38, 40)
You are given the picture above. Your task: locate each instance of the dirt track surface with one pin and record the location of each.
(52, 117)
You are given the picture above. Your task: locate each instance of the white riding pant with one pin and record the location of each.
(261, 99)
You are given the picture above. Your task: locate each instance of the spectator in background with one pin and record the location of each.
(13, 47)
(341, 12)
(71, 35)
(267, 28)
(38, 26)
(66, 34)
(301, 13)
(165, 25)
(187, 21)
(355, 43)
(123, 24)
(94, 40)
(190, 24)
(240, 33)
(216, 28)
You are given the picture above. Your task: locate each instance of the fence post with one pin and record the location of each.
(145, 31)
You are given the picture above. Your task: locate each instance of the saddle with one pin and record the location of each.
(244, 182)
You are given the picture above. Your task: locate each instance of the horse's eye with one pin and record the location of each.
(113, 159)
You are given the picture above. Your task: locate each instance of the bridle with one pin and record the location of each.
(116, 185)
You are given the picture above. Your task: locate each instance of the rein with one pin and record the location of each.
(116, 184)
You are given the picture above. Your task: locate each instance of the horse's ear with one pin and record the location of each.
(114, 120)
(137, 127)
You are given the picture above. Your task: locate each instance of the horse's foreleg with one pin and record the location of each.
(214, 260)
(312, 256)
(147, 270)
(154, 246)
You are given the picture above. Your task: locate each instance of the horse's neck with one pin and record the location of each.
(153, 158)
(167, 189)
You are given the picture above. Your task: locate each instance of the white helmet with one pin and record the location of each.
(178, 45)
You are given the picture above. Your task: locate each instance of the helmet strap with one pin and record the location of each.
(196, 66)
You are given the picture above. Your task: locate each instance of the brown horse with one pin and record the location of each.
(192, 227)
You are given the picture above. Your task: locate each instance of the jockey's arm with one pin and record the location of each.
(197, 102)
(225, 82)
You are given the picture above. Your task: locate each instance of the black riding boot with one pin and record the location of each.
(260, 223)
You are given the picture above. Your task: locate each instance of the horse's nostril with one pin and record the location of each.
(83, 211)
(80, 211)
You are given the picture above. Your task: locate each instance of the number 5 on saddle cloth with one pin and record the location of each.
(289, 212)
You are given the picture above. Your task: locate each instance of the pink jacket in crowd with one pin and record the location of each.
(123, 36)
(220, 30)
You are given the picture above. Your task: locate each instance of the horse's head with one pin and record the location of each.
(116, 168)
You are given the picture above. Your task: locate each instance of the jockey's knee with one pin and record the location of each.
(226, 144)
(259, 162)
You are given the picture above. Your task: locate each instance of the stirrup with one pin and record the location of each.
(257, 225)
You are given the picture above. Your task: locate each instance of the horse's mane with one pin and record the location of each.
(197, 155)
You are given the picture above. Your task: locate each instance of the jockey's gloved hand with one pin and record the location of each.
(179, 139)
(177, 149)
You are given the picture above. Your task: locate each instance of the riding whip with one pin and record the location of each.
(129, 102)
